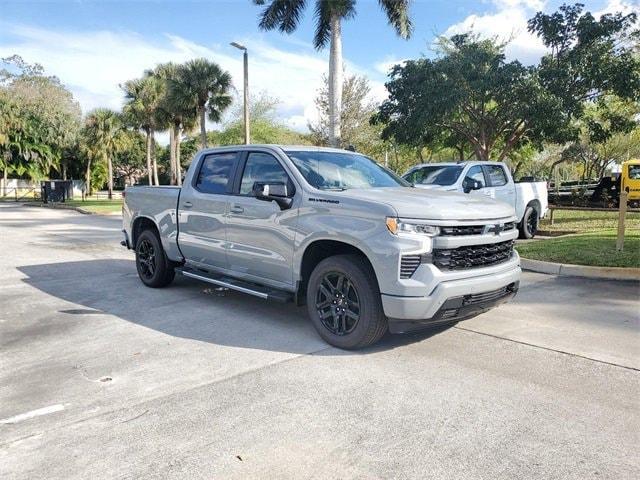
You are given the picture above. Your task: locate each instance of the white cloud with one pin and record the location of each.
(509, 23)
(529, 4)
(92, 64)
(623, 6)
(384, 66)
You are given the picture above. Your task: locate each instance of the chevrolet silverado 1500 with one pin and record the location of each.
(366, 252)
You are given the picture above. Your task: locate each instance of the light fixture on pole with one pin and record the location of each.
(246, 91)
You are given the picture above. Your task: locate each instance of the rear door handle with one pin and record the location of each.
(187, 204)
(237, 209)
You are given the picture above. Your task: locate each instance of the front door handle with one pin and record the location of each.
(237, 209)
(187, 204)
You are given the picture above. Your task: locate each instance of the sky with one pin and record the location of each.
(93, 46)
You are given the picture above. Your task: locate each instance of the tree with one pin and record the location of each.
(470, 91)
(205, 87)
(284, 15)
(178, 111)
(143, 97)
(129, 161)
(356, 111)
(265, 127)
(103, 132)
(39, 119)
(609, 134)
(588, 58)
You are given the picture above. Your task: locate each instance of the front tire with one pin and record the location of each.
(529, 223)
(344, 304)
(154, 268)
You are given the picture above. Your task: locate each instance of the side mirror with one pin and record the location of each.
(469, 184)
(277, 192)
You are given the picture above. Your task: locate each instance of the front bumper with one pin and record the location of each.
(451, 301)
(125, 242)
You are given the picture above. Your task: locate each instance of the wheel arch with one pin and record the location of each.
(141, 224)
(536, 205)
(318, 250)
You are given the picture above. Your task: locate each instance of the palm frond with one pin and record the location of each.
(283, 15)
(398, 14)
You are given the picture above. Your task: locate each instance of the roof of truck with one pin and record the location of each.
(286, 148)
(454, 163)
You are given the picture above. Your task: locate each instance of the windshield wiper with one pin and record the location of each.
(334, 189)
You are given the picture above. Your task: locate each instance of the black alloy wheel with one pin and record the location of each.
(338, 304)
(146, 259)
(532, 223)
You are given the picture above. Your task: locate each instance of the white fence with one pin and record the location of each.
(17, 189)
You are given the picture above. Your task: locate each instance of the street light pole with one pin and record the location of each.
(247, 136)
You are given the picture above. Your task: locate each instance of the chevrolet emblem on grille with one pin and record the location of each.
(497, 228)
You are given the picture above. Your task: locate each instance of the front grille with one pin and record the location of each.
(472, 256)
(408, 265)
(462, 230)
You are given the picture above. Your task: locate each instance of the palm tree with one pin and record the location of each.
(178, 111)
(103, 130)
(205, 86)
(143, 98)
(284, 15)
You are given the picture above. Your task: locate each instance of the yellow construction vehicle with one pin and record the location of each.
(630, 181)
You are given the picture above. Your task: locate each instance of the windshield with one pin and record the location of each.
(340, 171)
(435, 175)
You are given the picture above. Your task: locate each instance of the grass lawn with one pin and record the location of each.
(594, 248)
(98, 206)
(583, 221)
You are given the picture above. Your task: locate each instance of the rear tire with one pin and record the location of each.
(529, 224)
(344, 304)
(154, 268)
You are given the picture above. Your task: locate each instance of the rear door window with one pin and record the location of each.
(496, 174)
(216, 173)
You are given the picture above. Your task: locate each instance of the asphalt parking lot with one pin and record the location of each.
(101, 377)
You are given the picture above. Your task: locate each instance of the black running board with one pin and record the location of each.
(238, 285)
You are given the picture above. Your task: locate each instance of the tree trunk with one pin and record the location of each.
(172, 155)
(5, 180)
(149, 172)
(64, 170)
(178, 164)
(87, 178)
(110, 173)
(335, 81)
(203, 128)
(155, 163)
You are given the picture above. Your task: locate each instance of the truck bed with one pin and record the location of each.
(157, 203)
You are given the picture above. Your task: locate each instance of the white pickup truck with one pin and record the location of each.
(491, 179)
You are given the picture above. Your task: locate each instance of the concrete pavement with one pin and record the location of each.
(101, 377)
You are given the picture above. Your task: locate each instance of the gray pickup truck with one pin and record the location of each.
(364, 250)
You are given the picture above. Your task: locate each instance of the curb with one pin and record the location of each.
(568, 270)
(77, 209)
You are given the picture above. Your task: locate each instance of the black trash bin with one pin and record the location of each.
(55, 191)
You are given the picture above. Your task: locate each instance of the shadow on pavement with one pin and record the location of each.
(187, 309)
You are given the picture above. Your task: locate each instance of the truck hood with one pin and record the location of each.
(440, 188)
(431, 204)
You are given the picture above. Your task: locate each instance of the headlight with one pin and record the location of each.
(396, 227)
